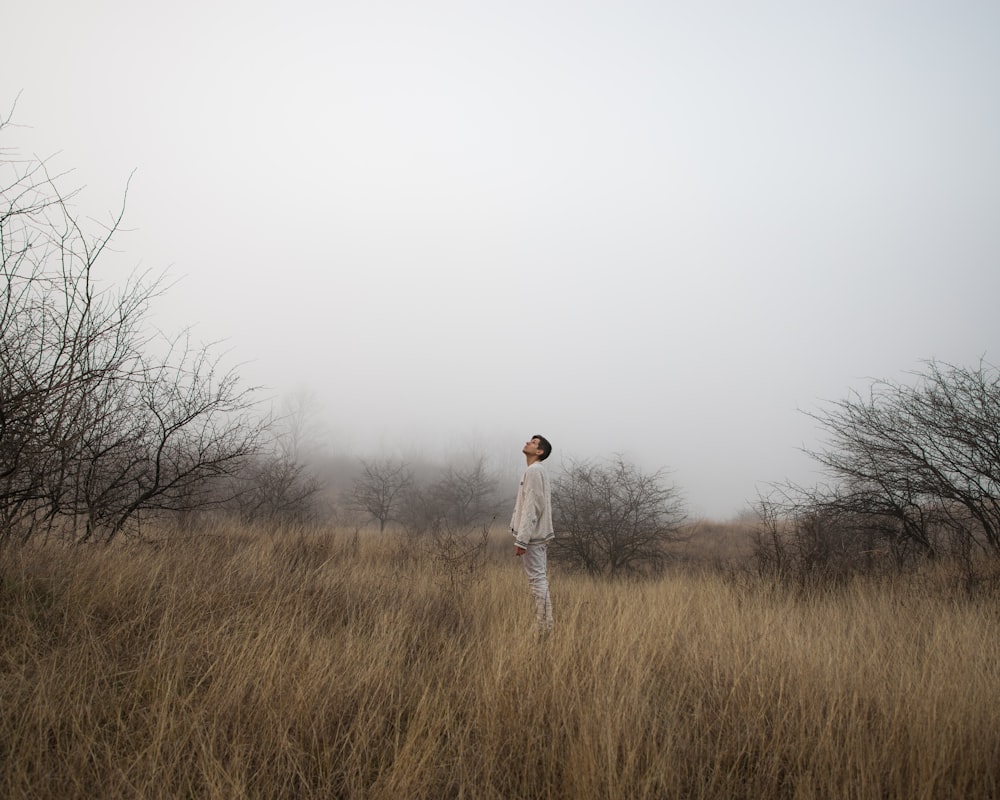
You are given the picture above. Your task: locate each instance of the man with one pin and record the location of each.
(531, 525)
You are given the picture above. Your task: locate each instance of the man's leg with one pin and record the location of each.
(535, 567)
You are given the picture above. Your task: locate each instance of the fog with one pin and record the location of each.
(661, 230)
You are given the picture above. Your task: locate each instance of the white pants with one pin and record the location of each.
(535, 561)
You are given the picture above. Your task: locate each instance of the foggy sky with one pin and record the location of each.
(655, 229)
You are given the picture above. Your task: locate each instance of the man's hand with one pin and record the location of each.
(518, 550)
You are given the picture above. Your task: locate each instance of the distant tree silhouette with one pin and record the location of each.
(464, 496)
(380, 489)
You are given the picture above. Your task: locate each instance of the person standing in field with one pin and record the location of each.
(531, 525)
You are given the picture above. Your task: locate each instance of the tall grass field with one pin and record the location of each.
(241, 664)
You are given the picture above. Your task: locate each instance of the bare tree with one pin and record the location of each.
(926, 455)
(914, 470)
(60, 339)
(99, 419)
(613, 519)
(380, 489)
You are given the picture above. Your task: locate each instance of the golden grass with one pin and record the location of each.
(320, 666)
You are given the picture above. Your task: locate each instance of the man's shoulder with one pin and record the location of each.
(536, 471)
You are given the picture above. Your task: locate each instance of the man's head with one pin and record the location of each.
(537, 446)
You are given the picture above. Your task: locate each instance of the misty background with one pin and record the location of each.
(662, 230)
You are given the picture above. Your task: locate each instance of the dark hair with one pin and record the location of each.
(546, 447)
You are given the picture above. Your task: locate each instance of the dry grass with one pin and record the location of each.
(715, 544)
(242, 665)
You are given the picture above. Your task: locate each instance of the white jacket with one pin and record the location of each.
(532, 519)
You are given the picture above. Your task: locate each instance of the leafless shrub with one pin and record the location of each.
(460, 553)
(613, 519)
(816, 545)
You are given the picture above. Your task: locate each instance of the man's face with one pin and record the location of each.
(532, 448)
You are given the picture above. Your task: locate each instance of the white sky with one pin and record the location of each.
(650, 228)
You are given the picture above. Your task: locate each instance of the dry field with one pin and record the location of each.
(242, 665)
